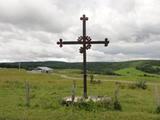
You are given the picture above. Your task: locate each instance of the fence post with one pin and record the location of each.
(73, 90)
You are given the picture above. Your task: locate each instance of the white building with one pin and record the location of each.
(43, 69)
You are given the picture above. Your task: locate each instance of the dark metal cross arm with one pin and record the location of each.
(106, 42)
(70, 42)
(61, 42)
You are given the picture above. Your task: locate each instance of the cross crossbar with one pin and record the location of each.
(61, 43)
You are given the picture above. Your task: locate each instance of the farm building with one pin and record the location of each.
(43, 69)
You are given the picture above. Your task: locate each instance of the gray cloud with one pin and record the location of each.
(30, 29)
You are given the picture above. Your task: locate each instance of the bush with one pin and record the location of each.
(158, 109)
(105, 104)
(88, 106)
(149, 69)
(141, 84)
(117, 105)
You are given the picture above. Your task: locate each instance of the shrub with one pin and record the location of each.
(158, 109)
(117, 105)
(88, 106)
(141, 84)
(149, 69)
(94, 106)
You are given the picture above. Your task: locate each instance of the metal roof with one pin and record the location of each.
(44, 68)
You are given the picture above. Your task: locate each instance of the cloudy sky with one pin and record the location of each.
(29, 29)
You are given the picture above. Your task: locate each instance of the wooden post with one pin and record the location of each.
(73, 90)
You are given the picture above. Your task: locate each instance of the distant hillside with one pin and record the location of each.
(149, 66)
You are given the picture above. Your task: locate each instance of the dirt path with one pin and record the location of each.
(67, 77)
(120, 81)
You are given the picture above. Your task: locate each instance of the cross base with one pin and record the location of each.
(78, 99)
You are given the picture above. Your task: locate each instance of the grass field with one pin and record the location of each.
(47, 91)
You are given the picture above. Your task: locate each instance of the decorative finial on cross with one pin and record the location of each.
(86, 42)
(84, 18)
(106, 42)
(60, 43)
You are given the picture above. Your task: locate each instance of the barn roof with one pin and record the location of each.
(44, 68)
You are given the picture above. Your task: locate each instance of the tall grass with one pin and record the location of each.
(117, 105)
(27, 93)
(157, 98)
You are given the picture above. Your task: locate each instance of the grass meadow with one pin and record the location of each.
(47, 91)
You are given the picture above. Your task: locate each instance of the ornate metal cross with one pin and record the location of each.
(86, 42)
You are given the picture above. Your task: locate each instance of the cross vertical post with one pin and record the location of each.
(86, 42)
(84, 19)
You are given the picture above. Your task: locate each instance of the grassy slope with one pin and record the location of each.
(130, 72)
(48, 89)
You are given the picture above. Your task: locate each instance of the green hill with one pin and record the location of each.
(130, 72)
(147, 66)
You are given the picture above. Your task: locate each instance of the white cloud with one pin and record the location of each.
(29, 29)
